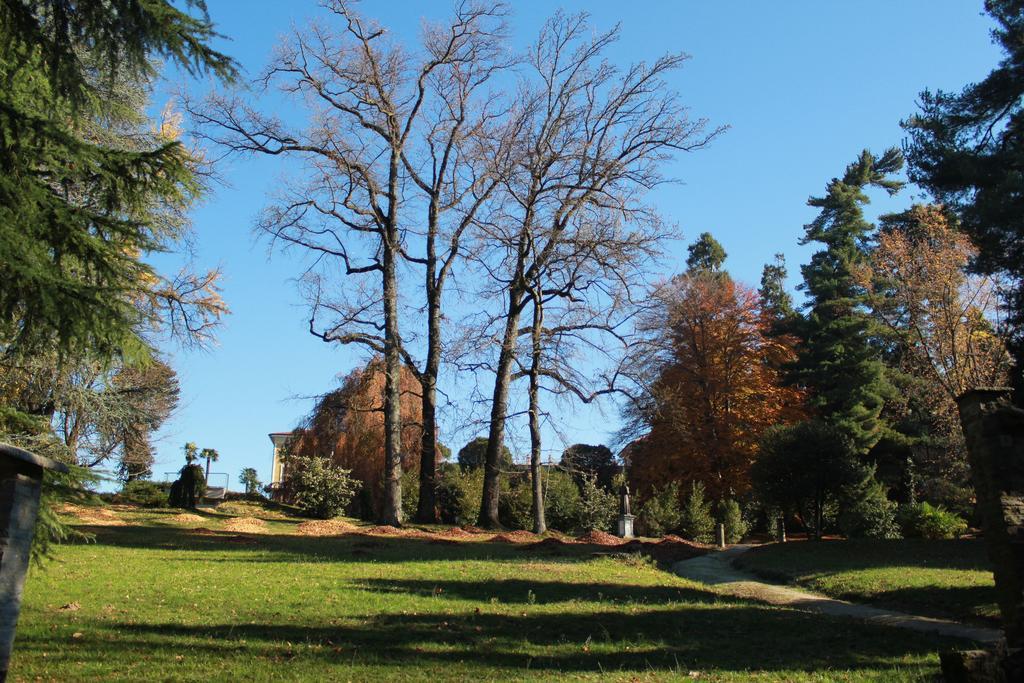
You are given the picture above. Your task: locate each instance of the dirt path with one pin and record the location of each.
(715, 569)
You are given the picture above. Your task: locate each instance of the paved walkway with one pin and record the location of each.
(716, 569)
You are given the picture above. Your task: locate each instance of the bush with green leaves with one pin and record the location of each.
(189, 488)
(458, 493)
(866, 512)
(515, 504)
(561, 500)
(660, 514)
(410, 492)
(147, 494)
(598, 507)
(697, 523)
(951, 496)
(730, 514)
(923, 520)
(321, 489)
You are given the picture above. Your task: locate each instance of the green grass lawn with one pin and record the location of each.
(156, 600)
(948, 579)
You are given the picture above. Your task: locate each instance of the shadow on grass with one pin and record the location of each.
(722, 638)
(892, 574)
(975, 604)
(511, 625)
(540, 592)
(351, 547)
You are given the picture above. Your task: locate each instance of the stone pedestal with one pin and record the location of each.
(626, 526)
(21, 476)
(994, 433)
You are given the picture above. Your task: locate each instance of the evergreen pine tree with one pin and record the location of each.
(838, 361)
(697, 521)
(75, 211)
(706, 255)
(776, 303)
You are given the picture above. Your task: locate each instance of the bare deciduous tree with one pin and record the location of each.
(589, 138)
(945, 317)
(454, 167)
(582, 330)
(366, 98)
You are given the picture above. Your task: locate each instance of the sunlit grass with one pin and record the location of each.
(158, 601)
(949, 579)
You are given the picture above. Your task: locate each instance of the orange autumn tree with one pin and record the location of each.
(714, 385)
(945, 317)
(347, 425)
(943, 321)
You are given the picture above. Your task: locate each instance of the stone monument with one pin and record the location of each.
(994, 433)
(21, 478)
(625, 513)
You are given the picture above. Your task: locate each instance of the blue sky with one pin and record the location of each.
(804, 86)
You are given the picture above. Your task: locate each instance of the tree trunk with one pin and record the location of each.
(426, 510)
(499, 407)
(539, 523)
(819, 516)
(391, 511)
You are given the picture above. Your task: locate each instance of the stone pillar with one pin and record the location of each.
(626, 526)
(721, 536)
(994, 433)
(626, 516)
(21, 475)
(782, 528)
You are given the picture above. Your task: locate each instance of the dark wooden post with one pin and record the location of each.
(21, 476)
(994, 432)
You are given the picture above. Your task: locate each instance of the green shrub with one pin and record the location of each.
(660, 513)
(697, 522)
(515, 502)
(459, 493)
(147, 494)
(866, 512)
(410, 492)
(950, 496)
(322, 490)
(597, 507)
(189, 488)
(731, 516)
(923, 520)
(561, 501)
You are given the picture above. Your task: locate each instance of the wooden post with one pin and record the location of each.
(21, 477)
(782, 528)
(721, 536)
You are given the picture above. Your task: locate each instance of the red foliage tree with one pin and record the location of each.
(713, 387)
(347, 425)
